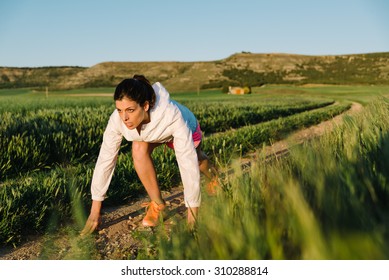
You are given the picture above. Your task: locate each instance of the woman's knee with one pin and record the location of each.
(140, 150)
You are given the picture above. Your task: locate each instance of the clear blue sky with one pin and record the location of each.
(86, 32)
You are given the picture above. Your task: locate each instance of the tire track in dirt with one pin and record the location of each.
(281, 147)
(116, 239)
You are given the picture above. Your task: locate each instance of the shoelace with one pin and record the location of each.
(147, 205)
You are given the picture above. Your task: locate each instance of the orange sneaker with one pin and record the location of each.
(213, 187)
(153, 213)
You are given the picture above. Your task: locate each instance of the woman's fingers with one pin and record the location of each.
(90, 227)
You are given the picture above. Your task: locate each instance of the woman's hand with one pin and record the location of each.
(94, 218)
(192, 216)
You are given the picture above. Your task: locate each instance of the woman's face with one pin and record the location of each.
(132, 114)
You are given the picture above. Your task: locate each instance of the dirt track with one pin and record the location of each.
(115, 238)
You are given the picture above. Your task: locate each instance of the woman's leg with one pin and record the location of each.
(209, 171)
(144, 166)
(204, 164)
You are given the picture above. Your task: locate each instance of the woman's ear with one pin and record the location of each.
(146, 106)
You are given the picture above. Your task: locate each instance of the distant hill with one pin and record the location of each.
(244, 68)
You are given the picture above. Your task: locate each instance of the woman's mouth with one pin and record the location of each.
(129, 125)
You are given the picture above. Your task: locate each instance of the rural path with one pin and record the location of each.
(116, 239)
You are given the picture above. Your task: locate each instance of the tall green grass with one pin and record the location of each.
(329, 199)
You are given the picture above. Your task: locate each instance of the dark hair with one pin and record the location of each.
(137, 89)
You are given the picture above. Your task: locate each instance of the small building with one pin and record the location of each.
(239, 90)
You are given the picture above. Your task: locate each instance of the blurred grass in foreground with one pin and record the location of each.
(328, 200)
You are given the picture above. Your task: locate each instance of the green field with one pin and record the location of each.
(327, 200)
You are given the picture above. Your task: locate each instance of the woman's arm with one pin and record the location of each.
(188, 164)
(102, 174)
(106, 161)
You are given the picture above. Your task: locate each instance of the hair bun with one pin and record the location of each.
(141, 78)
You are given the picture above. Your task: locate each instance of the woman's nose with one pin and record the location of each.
(125, 116)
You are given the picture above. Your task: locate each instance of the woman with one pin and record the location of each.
(146, 116)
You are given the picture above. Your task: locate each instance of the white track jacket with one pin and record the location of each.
(167, 123)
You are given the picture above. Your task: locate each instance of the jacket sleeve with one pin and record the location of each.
(188, 164)
(106, 161)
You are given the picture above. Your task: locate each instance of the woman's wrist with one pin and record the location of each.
(96, 206)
